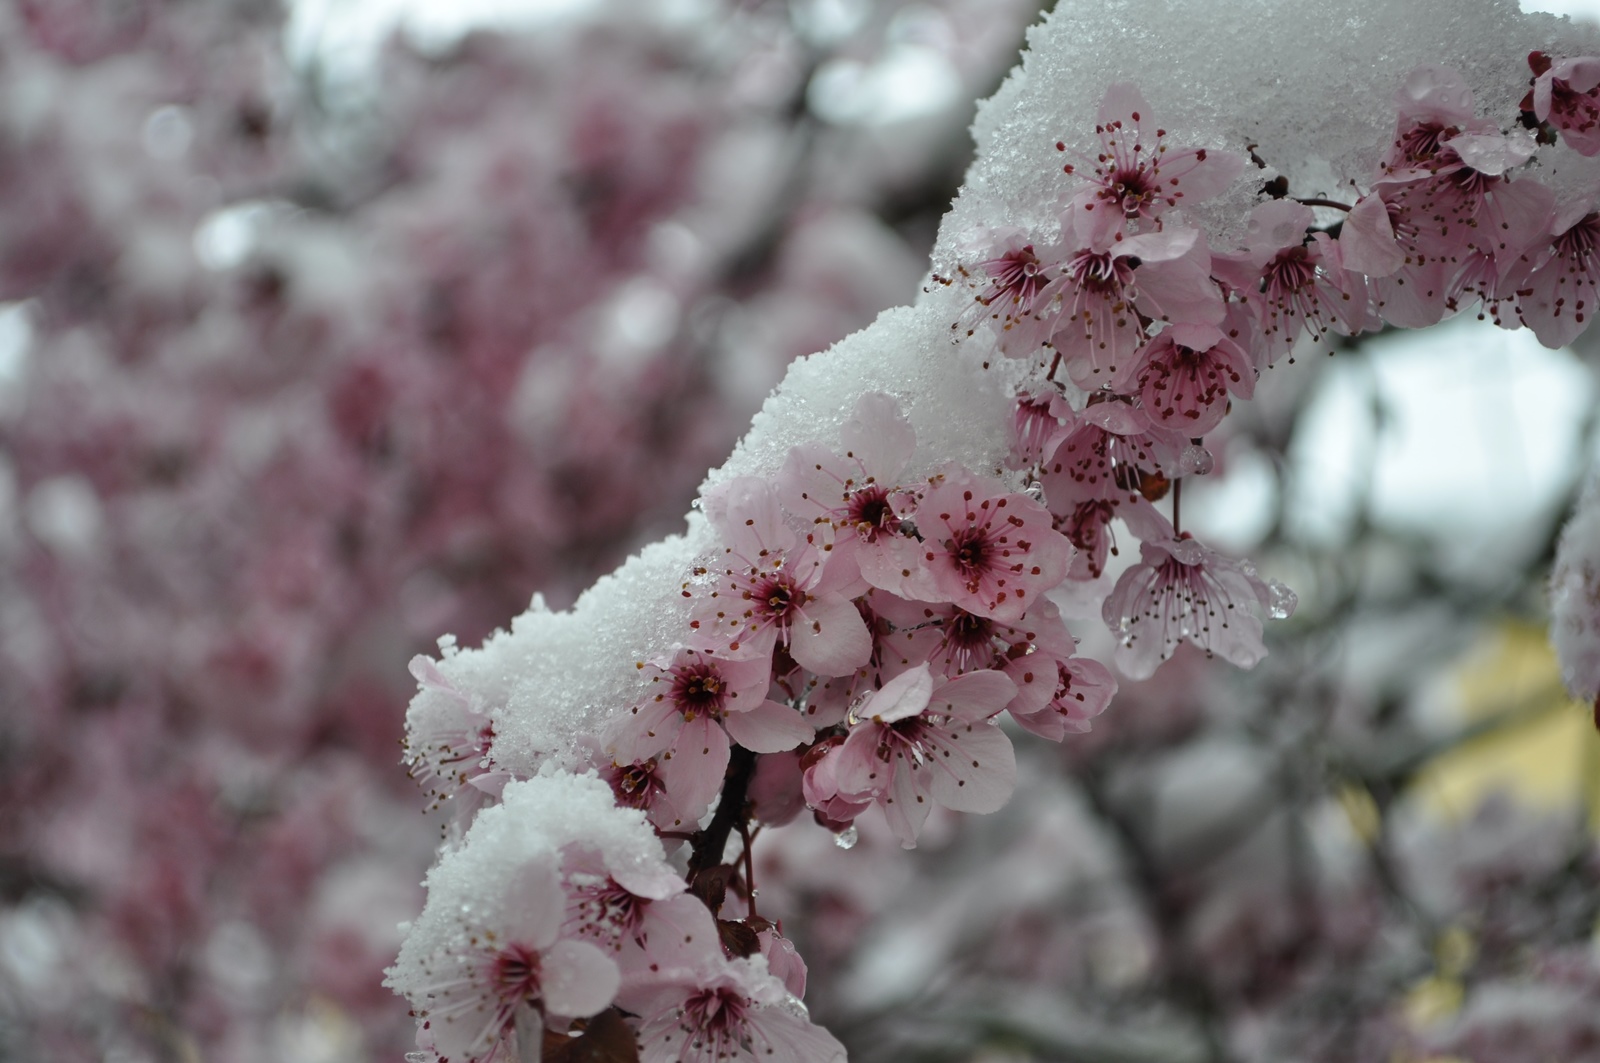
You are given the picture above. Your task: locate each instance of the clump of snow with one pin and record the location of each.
(1311, 85)
(471, 889)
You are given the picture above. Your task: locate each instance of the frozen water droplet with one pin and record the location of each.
(1280, 600)
(1034, 490)
(846, 839)
(696, 503)
(1196, 461)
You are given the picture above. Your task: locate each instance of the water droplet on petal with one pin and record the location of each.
(1281, 601)
(1195, 461)
(846, 839)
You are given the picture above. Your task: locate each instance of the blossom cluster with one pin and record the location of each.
(871, 625)
(1138, 336)
(851, 646)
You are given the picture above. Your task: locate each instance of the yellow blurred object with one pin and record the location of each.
(1454, 950)
(1547, 752)
(1361, 810)
(1433, 1000)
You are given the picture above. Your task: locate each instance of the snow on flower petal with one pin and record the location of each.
(487, 950)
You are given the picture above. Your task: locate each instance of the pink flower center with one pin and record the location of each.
(1290, 272)
(1421, 142)
(636, 785)
(717, 1015)
(698, 689)
(1098, 271)
(907, 737)
(869, 511)
(972, 552)
(609, 908)
(1132, 189)
(1579, 243)
(1016, 276)
(775, 599)
(968, 640)
(515, 974)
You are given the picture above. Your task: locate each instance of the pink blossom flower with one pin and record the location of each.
(1557, 298)
(1111, 286)
(919, 742)
(638, 783)
(470, 995)
(1036, 425)
(1136, 174)
(733, 1012)
(1185, 375)
(1181, 591)
(820, 785)
(1462, 203)
(1111, 452)
(991, 552)
(1434, 103)
(857, 498)
(1009, 290)
(953, 641)
(608, 898)
(1567, 95)
(693, 704)
(1084, 688)
(772, 588)
(1292, 282)
(828, 699)
(448, 742)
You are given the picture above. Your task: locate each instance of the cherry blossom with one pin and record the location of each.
(734, 1011)
(1084, 689)
(1433, 103)
(1036, 427)
(1292, 282)
(1180, 591)
(1138, 176)
(919, 742)
(640, 784)
(448, 743)
(953, 641)
(1011, 291)
(1186, 374)
(694, 703)
(1112, 452)
(1566, 93)
(1556, 297)
(991, 552)
(1110, 286)
(773, 590)
(858, 497)
(499, 982)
